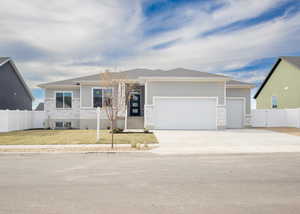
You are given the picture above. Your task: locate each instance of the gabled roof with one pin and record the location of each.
(4, 60)
(236, 82)
(294, 60)
(135, 74)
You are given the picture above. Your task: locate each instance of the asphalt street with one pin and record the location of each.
(148, 183)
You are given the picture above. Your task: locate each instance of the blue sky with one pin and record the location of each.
(51, 40)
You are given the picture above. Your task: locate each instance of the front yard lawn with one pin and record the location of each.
(47, 137)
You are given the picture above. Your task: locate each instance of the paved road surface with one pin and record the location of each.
(148, 183)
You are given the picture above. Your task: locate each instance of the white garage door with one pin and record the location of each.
(184, 113)
(235, 113)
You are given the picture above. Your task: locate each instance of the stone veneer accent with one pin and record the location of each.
(221, 117)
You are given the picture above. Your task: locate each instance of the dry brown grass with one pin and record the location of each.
(287, 130)
(50, 137)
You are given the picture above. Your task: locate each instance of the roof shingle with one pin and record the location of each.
(142, 72)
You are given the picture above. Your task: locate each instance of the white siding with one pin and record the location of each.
(185, 89)
(241, 92)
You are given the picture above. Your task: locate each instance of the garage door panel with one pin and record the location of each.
(185, 113)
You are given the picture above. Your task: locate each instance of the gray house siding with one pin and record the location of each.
(86, 95)
(241, 92)
(192, 89)
(13, 94)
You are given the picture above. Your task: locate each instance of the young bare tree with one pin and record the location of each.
(114, 102)
(117, 94)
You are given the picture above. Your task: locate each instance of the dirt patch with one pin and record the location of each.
(287, 130)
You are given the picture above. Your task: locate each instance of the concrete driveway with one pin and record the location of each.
(225, 141)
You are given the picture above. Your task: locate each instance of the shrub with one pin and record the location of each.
(108, 127)
(133, 145)
(146, 130)
(117, 130)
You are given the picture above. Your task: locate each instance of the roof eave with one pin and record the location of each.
(240, 86)
(267, 78)
(58, 86)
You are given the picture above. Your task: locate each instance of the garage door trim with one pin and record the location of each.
(244, 106)
(196, 98)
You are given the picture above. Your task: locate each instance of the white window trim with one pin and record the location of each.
(92, 94)
(55, 92)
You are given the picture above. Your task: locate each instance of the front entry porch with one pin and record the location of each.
(135, 122)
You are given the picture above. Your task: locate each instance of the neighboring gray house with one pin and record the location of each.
(14, 93)
(172, 99)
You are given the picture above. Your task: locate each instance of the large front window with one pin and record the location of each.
(101, 97)
(63, 99)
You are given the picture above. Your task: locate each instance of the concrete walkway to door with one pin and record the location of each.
(225, 141)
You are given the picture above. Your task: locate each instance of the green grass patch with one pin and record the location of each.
(52, 137)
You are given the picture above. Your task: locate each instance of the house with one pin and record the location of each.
(281, 87)
(14, 93)
(163, 99)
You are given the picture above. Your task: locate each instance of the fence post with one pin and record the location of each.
(298, 118)
(266, 118)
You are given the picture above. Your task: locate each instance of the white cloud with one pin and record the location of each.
(111, 33)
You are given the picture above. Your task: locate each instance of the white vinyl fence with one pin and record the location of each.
(275, 118)
(13, 120)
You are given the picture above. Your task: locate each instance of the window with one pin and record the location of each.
(63, 99)
(274, 102)
(101, 97)
(61, 124)
(97, 97)
(68, 125)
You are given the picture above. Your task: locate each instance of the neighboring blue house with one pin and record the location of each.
(14, 93)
